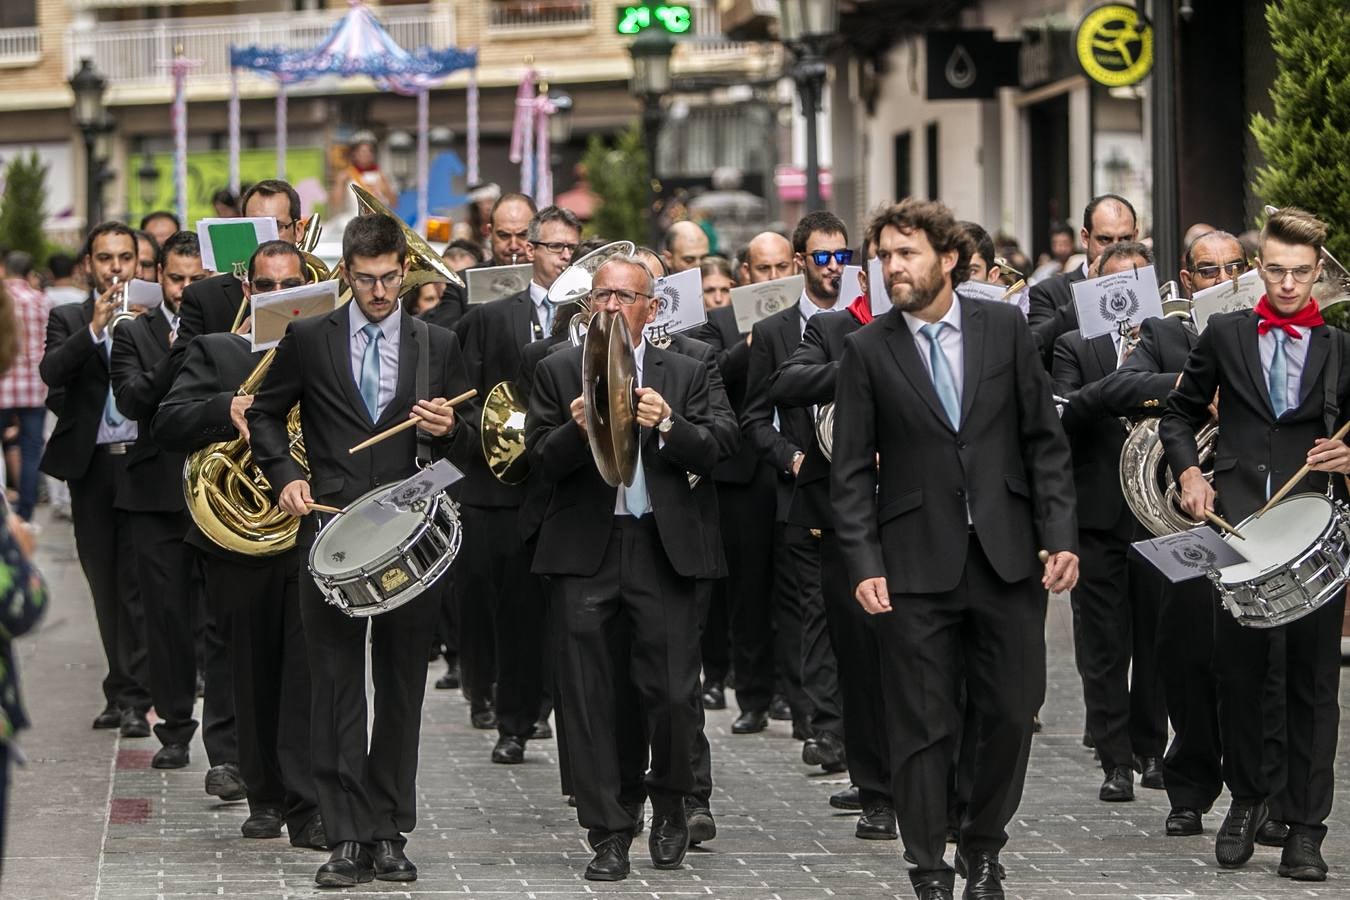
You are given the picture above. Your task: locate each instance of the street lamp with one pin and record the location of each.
(651, 81)
(89, 114)
(806, 27)
(560, 123)
(400, 145)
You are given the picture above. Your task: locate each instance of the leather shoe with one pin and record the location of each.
(542, 730)
(610, 862)
(1272, 834)
(449, 681)
(752, 721)
(111, 717)
(1150, 772)
(1302, 858)
(848, 799)
(668, 838)
(1183, 821)
(171, 756)
(779, 709)
(348, 864)
(985, 878)
(1235, 842)
(134, 724)
(225, 782)
(877, 823)
(700, 822)
(714, 695)
(959, 863)
(263, 822)
(510, 750)
(934, 888)
(390, 862)
(1118, 785)
(312, 836)
(824, 750)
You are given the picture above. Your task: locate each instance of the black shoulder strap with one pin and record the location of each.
(422, 335)
(1331, 378)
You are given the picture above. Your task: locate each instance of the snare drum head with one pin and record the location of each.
(1280, 536)
(365, 534)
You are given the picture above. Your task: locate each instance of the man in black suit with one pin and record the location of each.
(781, 435)
(950, 472)
(88, 450)
(1107, 219)
(509, 230)
(1116, 603)
(270, 673)
(501, 605)
(354, 374)
(154, 501)
(1282, 390)
(623, 564)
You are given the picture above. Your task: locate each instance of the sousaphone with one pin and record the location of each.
(608, 380)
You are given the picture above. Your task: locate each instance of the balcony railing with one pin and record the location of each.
(505, 16)
(708, 39)
(137, 53)
(19, 47)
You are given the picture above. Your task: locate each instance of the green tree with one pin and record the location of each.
(618, 173)
(22, 207)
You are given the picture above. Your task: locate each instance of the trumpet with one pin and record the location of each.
(124, 313)
(1010, 277)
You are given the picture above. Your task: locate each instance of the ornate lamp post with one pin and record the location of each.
(651, 81)
(90, 117)
(806, 27)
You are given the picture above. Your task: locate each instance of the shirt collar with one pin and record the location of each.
(640, 355)
(389, 327)
(952, 318)
(808, 308)
(537, 294)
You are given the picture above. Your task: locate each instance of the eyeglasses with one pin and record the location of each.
(557, 247)
(282, 226)
(390, 281)
(268, 285)
(1301, 274)
(1236, 267)
(627, 298)
(822, 257)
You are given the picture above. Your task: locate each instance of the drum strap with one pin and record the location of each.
(421, 335)
(1331, 377)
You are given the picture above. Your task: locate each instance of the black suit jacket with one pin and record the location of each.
(808, 379)
(454, 303)
(313, 367)
(537, 491)
(1253, 446)
(772, 342)
(1141, 385)
(1050, 310)
(732, 353)
(141, 374)
(1009, 461)
(576, 528)
(1095, 440)
(208, 306)
(74, 364)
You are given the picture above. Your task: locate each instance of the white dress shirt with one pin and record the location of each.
(949, 340)
(1295, 354)
(807, 308)
(390, 331)
(539, 296)
(620, 501)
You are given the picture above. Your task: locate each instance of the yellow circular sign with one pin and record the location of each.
(1114, 45)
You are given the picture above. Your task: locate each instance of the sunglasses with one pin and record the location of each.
(822, 257)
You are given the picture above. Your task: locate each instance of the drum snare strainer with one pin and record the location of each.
(1298, 559)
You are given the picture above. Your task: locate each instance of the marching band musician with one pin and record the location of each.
(623, 564)
(353, 372)
(267, 643)
(1283, 383)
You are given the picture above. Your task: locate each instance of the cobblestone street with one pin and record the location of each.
(90, 818)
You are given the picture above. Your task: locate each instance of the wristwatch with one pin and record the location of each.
(666, 424)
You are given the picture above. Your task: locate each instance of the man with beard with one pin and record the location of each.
(950, 472)
(820, 245)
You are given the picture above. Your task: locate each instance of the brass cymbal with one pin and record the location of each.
(502, 433)
(608, 376)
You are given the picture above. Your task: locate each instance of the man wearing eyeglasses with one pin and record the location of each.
(1283, 384)
(501, 605)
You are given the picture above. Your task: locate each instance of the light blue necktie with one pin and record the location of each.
(1279, 373)
(943, 380)
(370, 369)
(111, 414)
(635, 495)
(548, 317)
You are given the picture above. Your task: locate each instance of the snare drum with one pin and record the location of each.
(376, 556)
(1298, 559)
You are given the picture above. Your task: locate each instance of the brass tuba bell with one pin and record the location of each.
(1147, 483)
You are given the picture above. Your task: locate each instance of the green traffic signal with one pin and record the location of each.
(669, 18)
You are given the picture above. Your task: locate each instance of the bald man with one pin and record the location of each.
(686, 245)
(768, 256)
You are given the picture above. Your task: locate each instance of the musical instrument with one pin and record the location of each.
(608, 378)
(378, 554)
(825, 429)
(124, 313)
(1298, 556)
(1009, 277)
(1147, 483)
(1173, 304)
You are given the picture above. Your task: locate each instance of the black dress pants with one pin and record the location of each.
(164, 565)
(820, 672)
(745, 513)
(994, 632)
(1193, 764)
(107, 550)
(788, 542)
(366, 793)
(633, 623)
(220, 736)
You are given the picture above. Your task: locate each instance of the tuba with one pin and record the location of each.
(1147, 483)
(825, 430)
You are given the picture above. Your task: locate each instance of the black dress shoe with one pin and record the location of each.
(134, 724)
(510, 750)
(610, 862)
(824, 750)
(1237, 835)
(959, 863)
(848, 799)
(484, 719)
(312, 836)
(984, 880)
(171, 756)
(1036, 725)
(934, 888)
(449, 681)
(542, 731)
(714, 695)
(111, 717)
(800, 729)
(668, 839)
(1087, 740)
(1302, 858)
(1183, 821)
(572, 800)
(779, 709)
(263, 822)
(349, 864)
(1272, 834)
(1118, 785)
(699, 820)
(390, 862)
(877, 823)
(225, 782)
(1150, 772)
(752, 721)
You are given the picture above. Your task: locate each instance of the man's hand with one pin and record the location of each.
(246, 326)
(874, 596)
(797, 462)
(1129, 343)
(295, 498)
(105, 307)
(1061, 572)
(652, 408)
(238, 406)
(436, 418)
(578, 409)
(1197, 494)
(1327, 455)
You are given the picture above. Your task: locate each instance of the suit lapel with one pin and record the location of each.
(522, 318)
(87, 316)
(1103, 349)
(159, 327)
(407, 369)
(972, 354)
(1319, 347)
(1251, 356)
(339, 349)
(906, 354)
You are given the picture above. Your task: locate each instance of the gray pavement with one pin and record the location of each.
(89, 818)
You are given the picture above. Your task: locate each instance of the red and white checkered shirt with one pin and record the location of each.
(21, 387)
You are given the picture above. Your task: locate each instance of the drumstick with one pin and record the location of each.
(404, 426)
(1218, 520)
(319, 507)
(1300, 474)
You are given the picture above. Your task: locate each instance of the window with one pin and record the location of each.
(18, 14)
(904, 162)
